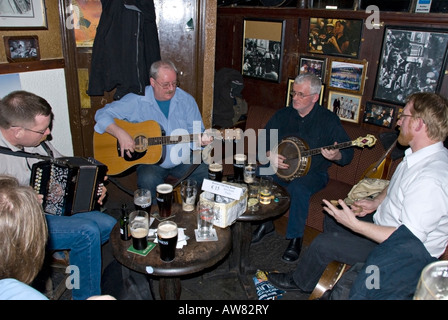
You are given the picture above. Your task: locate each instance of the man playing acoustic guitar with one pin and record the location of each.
(174, 110)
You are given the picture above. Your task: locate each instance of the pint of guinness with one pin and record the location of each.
(239, 162)
(164, 199)
(139, 226)
(215, 172)
(167, 239)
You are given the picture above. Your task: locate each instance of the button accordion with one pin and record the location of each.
(69, 185)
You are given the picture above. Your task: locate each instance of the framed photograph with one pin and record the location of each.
(412, 60)
(28, 14)
(345, 74)
(379, 114)
(86, 15)
(262, 49)
(313, 65)
(288, 94)
(346, 106)
(340, 37)
(22, 48)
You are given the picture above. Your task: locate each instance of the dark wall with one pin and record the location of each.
(229, 47)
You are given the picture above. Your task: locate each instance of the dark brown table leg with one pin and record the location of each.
(169, 288)
(240, 258)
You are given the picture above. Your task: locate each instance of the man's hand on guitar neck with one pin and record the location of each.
(206, 137)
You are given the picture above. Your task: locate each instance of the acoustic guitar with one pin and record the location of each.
(149, 142)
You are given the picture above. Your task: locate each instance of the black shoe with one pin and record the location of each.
(283, 281)
(292, 252)
(263, 230)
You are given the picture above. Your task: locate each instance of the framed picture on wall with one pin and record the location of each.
(346, 74)
(340, 37)
(379, 114)
(313, 65)
(346, 106)
(289, 92)
(29, 14)
(412, 60)
(262, 49)
(22, 48)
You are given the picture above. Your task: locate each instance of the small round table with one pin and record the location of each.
(193, 257)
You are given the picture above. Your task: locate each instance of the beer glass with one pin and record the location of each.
(139, 226)
(239, 161)
(249, 172)
(215, 172)
(433, 283)
(266, 189)
(253, 198)
(164, 193)
(188, 192)
(205, 219)
(167, 239)
(142, 200)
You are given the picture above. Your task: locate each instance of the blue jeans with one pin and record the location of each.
(149, 176)
(82, 234)
(300, 191)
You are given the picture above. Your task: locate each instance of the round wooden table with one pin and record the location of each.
(193, 257)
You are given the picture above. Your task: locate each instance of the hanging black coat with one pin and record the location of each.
(125, 46)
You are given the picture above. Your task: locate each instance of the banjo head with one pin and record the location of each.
(292, 148)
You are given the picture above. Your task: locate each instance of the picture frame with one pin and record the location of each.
(263, 49)
(379, 114)
(412, 60)
(288, 93)
(349, 106)
(23, 15)
(316, 66)
(347, 75)
(22, 48)
(339, 37)
(86, 14)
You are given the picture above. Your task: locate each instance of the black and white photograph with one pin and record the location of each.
(346, 106)
(313, 65)
(340, 37)
(412, 60)
(379, 114)
(346, 74)
(16, 14)
(20, 48)
(262, 49)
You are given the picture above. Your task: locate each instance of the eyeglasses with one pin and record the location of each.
(35, 131)
(405, 115)
(167, 85)
(300, 94)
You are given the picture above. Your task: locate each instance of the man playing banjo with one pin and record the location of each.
(318, 127)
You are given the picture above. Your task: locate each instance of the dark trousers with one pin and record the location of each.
(336, 243)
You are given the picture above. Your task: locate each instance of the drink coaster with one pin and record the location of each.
(212, 237)
(142, 252)
(159, 218)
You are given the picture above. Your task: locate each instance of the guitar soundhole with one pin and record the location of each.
(141, 143)
(134, 155)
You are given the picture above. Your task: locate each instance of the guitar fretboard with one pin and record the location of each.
(164, 140)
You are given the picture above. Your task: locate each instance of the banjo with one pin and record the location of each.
(297, 154)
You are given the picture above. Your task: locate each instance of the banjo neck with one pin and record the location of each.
(313, 152)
